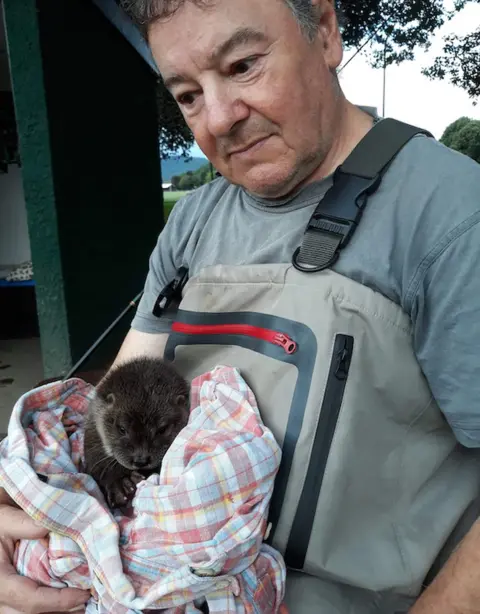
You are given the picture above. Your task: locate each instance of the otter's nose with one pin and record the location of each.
(141, 460)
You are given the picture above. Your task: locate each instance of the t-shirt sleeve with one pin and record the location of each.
(446, 319)
(165, 261)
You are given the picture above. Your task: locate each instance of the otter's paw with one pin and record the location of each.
(116, 496)
(121, 492)
(136, 477)
(130, 483)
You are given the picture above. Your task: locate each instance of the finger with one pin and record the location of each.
(17, 524)
(5, 499)
(7, 551)
(59, 600)
(21, 593)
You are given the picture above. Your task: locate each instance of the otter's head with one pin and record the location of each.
(139, 409)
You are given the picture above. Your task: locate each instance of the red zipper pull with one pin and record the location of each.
(286, 342)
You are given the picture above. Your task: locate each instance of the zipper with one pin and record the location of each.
(343, 358)
(266, 334)
(301, 531)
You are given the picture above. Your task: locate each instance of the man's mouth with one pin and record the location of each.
(251, 147)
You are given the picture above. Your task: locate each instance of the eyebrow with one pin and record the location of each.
(173, 80)
(240, 37)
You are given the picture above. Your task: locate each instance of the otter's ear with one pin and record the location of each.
(181, 400)
(110, 399)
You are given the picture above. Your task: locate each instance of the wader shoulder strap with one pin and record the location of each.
(336, 217)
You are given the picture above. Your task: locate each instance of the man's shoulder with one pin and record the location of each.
(428, 159)
(427, 199)
(434, 184)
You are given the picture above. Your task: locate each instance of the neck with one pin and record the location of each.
(351, 125)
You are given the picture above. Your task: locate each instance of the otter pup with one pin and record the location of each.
(138, 410)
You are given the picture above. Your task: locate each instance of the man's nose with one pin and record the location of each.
(224, 110)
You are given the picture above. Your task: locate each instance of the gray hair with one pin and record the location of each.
(146, 12)
(306, 16)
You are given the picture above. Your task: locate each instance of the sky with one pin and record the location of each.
(411, 97)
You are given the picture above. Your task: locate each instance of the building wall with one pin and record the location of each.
(14, 239)
(86, 111)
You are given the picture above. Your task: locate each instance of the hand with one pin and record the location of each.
(20, 595)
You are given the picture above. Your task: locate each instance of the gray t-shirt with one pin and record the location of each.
(418, 244)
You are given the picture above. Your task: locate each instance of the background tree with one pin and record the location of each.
(184, 183)
(460, 62)
(194, 179)
(396, 29)
(464, 135)
(452, 130)
(174, 135)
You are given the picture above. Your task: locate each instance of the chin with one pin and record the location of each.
(121, 461)
(268, 181)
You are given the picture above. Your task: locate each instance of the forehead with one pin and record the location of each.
(193, 34)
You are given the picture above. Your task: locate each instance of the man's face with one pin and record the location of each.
(259, 98)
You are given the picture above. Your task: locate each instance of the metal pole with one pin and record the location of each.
(102, 337)
(384, 75)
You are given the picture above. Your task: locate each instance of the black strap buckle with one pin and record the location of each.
(334, 221)
(171, 292)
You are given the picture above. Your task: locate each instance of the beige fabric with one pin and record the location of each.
(396, 482)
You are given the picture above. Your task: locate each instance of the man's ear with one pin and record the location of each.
(329, 32)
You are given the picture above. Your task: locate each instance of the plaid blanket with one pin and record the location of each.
(196, 531)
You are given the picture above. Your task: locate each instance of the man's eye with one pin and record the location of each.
(242, 67)
(186, 99)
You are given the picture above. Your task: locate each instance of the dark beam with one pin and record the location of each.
(117, 17)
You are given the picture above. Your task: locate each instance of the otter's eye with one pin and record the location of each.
(122, 430)
(164, 431)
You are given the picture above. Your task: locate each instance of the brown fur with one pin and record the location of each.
(139, 409)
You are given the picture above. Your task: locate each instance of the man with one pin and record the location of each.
(256, 82)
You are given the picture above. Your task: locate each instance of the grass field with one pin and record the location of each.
(169, 200)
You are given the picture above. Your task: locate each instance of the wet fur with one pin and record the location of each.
(139, 409)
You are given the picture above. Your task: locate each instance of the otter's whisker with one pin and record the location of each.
(101, 460)
(107, 467)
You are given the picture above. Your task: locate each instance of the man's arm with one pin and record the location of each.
(137, 343)
(447, 341)
(456, 589)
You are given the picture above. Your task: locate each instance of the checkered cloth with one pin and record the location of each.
(196, 529)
